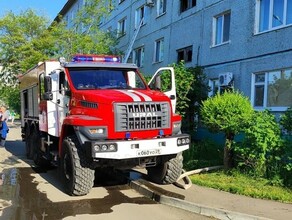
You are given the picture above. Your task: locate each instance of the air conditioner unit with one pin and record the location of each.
(225, 79)
(149, 3)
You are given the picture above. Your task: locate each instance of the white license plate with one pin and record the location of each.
(152, 152)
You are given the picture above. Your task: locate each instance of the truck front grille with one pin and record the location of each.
(142, 116)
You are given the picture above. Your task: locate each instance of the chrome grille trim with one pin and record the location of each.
(141, 116)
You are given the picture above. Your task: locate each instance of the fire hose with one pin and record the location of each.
(187, 183)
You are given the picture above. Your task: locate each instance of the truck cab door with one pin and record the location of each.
(57, 105)
(164, 81)
(62, 99)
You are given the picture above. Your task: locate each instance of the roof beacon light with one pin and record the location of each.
(95, 58)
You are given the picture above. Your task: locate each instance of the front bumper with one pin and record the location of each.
(127, 149)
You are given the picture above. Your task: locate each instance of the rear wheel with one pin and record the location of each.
(28, 144)
(38, 155)
(75, 170)
(168, 171)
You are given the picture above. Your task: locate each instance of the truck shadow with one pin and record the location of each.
(52, 175)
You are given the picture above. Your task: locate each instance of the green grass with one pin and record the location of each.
(237, 183)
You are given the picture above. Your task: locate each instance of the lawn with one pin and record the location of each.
(237, 183)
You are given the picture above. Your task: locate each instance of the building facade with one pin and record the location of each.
(245, 44)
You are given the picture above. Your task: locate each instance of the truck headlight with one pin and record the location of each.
(176, 127)
(94, 132)
(99, 147)
(183, 141)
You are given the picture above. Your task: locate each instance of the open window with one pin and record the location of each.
(164, 81)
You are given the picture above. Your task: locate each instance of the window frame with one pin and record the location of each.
(161, 10)
(265, 84)
(223, 30)
(139, 54)
(268, 19)
(214, 87)
(140, 15)
(122, 27)
(158, 50)
(185, 52)
(187, 4)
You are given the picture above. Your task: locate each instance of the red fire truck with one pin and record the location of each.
(96, 112)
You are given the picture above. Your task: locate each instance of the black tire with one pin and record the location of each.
(38, 155)
(28, 144)
(77, 176)
(168, 171)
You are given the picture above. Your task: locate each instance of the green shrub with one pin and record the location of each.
(286, 120)
(261, 148)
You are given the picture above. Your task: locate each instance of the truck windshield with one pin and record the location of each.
(88, 78)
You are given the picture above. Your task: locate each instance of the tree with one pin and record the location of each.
(29, 38)
(84, 34)
(184, 79)
(196, 95)
(231, 113)
(10, 97)
(24, 42)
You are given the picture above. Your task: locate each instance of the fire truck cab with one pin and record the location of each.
(95, 112)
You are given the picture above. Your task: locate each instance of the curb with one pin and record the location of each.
(189, 206)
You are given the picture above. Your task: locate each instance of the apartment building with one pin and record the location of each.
(245, 44)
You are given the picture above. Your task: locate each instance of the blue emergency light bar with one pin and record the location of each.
(95, 58)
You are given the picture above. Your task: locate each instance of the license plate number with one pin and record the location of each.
(152, 152)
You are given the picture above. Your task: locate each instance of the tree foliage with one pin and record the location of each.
(29, 38)
(286, 120)
(229, 113)
(10, 97)
(24, 42)
(261, 142)
(184, 79)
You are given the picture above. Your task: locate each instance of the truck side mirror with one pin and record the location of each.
(48, 95)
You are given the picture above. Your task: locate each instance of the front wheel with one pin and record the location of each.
(77, 176)
(168, 171)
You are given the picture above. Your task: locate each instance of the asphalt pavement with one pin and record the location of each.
(201, 200)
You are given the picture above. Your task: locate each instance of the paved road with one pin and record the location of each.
(30, 193)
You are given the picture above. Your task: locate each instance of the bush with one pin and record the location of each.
(260, 151)
(286, 120)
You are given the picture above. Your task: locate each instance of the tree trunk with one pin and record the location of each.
(228, 152)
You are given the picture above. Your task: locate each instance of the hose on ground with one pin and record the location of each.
(187, 183)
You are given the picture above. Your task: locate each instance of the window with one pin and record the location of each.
(214, 87)
(187, 4)
(159, 45)
(185, 54)
(161, 7)
(105, 78)
(272, 89)
(273, 14)
(222, 28)
(122, 27)
(139, 16)
(42, 85)
(139, 56)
